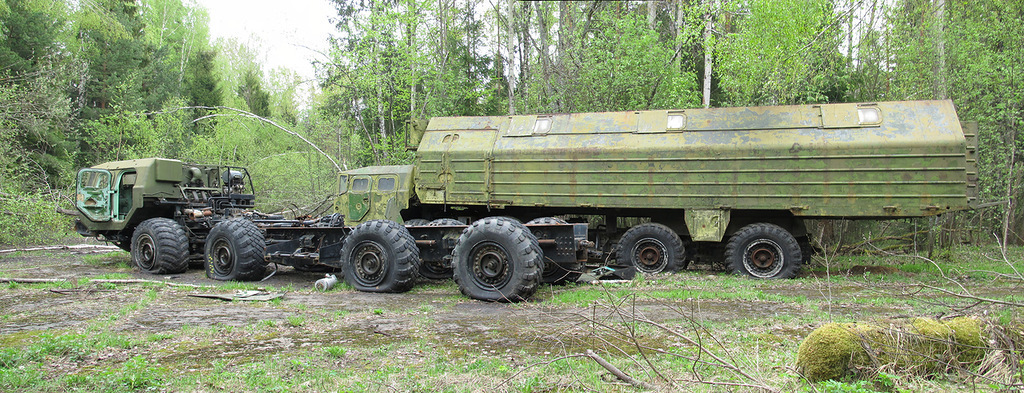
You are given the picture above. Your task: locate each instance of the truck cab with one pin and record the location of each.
(115, 197)
(375, 193)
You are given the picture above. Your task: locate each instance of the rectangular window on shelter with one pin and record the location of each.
(676, 121)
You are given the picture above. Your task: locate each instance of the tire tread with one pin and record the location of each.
(523, 244)
(734, 249)
(677, 260)
(171, 243)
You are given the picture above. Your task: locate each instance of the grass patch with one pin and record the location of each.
(296, 321)
(115, 259)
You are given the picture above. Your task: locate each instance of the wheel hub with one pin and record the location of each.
(491, 266)
(649, 255)
(147, 252)
(763, 258)
(223, 259)
(370, 265)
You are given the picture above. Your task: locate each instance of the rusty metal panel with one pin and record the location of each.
(753, 118)
(707, 225)
(911, 162)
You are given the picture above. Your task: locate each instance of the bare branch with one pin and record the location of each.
(618, 373)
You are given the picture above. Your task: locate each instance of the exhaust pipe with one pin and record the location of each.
(325, 284)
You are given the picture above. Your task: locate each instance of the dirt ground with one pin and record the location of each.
(389, 315)
(452, 342)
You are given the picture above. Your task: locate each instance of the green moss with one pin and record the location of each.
(967, 332)
(931, 328)
(832, 350)
(924, 346)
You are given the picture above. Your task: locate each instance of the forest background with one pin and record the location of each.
(88, 81)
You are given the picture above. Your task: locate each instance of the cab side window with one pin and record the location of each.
(386, 184)
(361, 184)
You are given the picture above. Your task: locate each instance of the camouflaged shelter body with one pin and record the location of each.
(889, 159)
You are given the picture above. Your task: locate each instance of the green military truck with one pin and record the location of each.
(168, 213)
(503, 203)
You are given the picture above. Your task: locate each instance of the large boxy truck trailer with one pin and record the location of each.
(649, 190)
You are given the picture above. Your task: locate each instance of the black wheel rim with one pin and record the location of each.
(763, 258)
(551, 269)
(435, 268)
(370, 264)
(223, 257)
(490, 265)
(650, 255)
(147, 252)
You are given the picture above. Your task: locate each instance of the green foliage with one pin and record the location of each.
(845, 387)
(620, 64)
(296, 321)
(30, 217)
(784, 52)
(251, 91)
(31, 30)
(121, 134)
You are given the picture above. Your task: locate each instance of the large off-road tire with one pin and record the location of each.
(763, 250)
(160, 246)
(553, 273)
(557, 274)
(416, 222)
(435, 270)
(547, 221)
(498, 260)
(234, 251)
(443, 222)
(380, 256)
(651, 248)
(316, 269)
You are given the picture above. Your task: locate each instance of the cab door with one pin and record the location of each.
(383, 202)
(93, 194)
(358, 199)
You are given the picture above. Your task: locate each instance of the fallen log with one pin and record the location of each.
(64, 247)
(110, 281)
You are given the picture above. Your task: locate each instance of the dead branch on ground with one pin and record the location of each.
(108, 281)
(63, 247)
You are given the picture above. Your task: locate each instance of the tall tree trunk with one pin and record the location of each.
(545, 60)
(652, 13)
(708, 64)
(510, 22)
(940, 48)
(522, 17)
(410, 47)
(565, 25)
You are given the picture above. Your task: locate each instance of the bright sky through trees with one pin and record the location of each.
(289, 32)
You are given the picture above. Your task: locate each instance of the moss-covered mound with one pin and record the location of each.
(923, 346)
